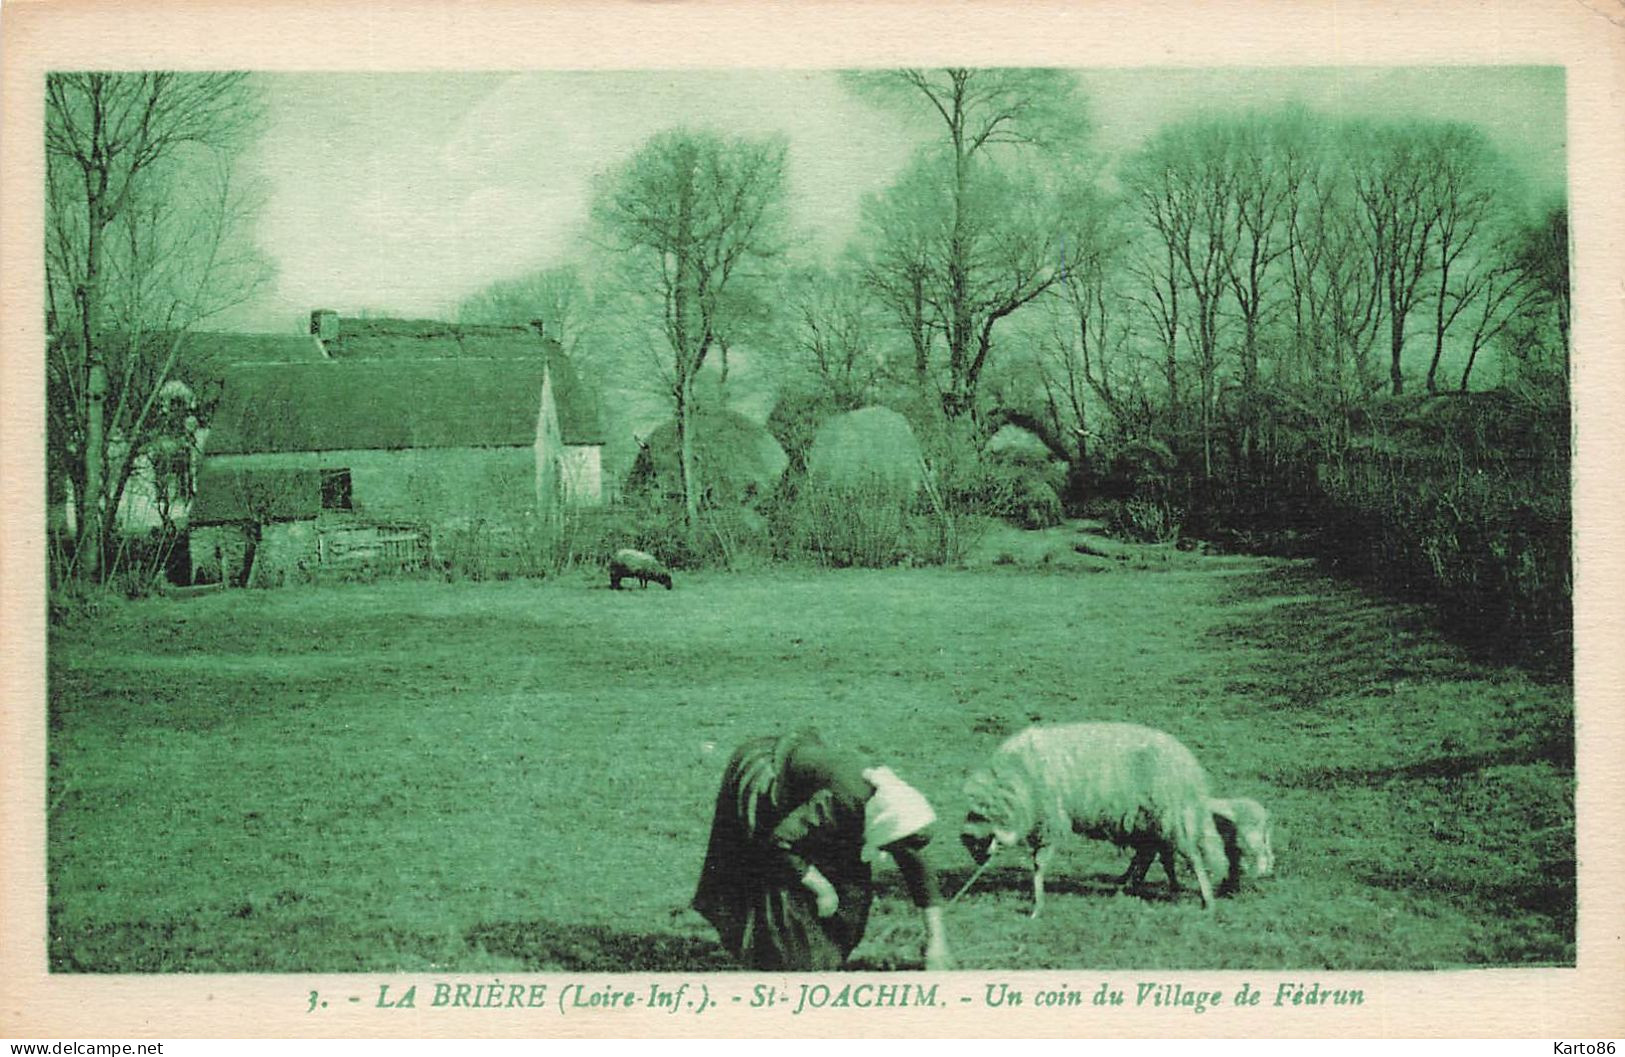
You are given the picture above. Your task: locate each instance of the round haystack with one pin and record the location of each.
(1019, 450)
(1017, 444)
(736, 459)
(870, 444)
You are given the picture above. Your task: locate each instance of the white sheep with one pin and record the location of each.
(627, 564)
(1137, 787)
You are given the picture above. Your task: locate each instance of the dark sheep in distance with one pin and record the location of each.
(628, 564)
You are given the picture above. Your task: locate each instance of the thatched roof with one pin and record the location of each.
(579, 422)
(395, 404)
(423, 339)
(211, 350)
(226, 349)
(388, 338)
(366, 339)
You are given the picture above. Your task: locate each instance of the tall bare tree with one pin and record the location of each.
(1543, 257)
(991, 258)
(1393, 169)
(1085, 359)
(1260, 150)
(1153, 270)
(1311, 178)
(698, 210)
(904, 238)
(142, 244)
(1465, 191)
(1497, 292)
(1534, 318)
(1183, 189)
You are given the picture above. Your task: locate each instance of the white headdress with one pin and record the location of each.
(896, 810)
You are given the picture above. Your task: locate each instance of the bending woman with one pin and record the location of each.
(787, 878)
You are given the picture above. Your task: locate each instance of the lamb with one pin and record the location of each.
(1137, 787)
(1243, 825)
(627, 564)
(1247, 832)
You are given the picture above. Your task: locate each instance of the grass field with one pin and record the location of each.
(507, 776)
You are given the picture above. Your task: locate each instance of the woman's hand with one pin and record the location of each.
(822, 890)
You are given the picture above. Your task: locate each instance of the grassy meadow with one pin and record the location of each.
(520, 775)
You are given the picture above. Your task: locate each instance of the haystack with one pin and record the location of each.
(737, 460)
(872, 444)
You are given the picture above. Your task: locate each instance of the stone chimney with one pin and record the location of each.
(324, 324)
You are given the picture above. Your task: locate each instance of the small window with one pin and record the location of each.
(336, 489)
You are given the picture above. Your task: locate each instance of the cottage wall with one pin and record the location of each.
(217, 553)
(549, 451)
(286, 551)
(583, 474)
(426, 487)
(439, 484)
(417, 486)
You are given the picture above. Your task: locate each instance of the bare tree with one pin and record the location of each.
(832, 333)
(556, 296)
(1525, 301)
(903, 238)
(1311, 178)
(1465, 187)
(1083, 360)
(1183, 190)
(1543, 258)
(142, 244)
(1392, 172)
(1259, 150)
(1153, 266)
(1497, 292)
(992, 258)
(696, 209)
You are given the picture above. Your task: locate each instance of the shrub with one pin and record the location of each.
(1481, 547)
(860, 521)
(1467, 504)
(73, 601)
(1018, 493)
(734, 536)
(1146, 520)
(142, 563)
(517, 547)
(729, 534)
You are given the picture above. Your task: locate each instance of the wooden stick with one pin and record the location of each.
(972, 879)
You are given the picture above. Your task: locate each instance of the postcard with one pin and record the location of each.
(832, 520)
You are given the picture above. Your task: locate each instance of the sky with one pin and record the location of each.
(402, 194)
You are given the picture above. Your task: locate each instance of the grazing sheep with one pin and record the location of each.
(1137, 787)
(1243, 825)
(628, 564)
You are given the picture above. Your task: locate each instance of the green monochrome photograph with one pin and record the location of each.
(978, 518)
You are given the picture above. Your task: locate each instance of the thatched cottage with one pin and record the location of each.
(397, 431)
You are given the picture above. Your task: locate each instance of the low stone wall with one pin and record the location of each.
(216, 553)
(285, 551)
